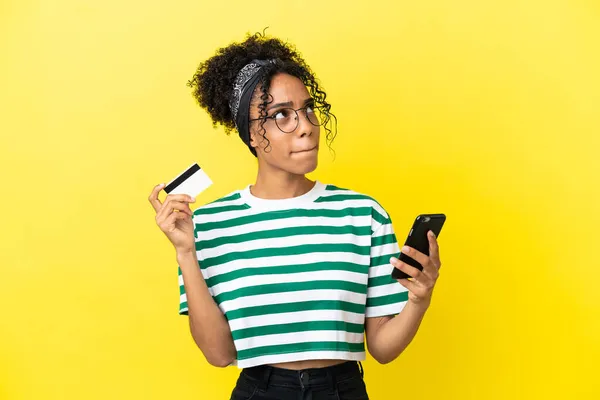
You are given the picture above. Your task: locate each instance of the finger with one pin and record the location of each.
(410, 285)
(170, 205)
(174, 207)
(434, 250)
(423, 259)
(169, 224)
(180, 197)
(420, 278)
(182, 208)
(416, 255)
(153, 198)
(404, 267)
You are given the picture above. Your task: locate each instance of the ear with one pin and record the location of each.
(253, 141)
(256, 139)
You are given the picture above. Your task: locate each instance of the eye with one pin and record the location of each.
(284, 113)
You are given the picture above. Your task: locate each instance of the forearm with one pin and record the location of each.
(394, 335)
(208, 325)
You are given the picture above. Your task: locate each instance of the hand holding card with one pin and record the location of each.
(174, 217)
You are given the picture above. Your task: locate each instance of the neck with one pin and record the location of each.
(280, 185)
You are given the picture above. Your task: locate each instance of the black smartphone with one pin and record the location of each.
(417, 239)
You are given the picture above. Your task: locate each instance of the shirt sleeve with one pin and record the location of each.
(385, 296)
(183, 305)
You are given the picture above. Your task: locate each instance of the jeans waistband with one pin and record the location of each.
(266, 375)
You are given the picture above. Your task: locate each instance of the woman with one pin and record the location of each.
(285, 278)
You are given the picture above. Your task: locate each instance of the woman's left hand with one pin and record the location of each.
(420, 288)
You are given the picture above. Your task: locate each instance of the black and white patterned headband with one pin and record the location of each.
(243, 88)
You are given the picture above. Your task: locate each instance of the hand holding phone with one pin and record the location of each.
(417, 239)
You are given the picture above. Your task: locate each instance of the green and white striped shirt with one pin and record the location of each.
(296, 277)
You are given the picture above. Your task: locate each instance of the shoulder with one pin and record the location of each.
(378, 212)
(223, 203)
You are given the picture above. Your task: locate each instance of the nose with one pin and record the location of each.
(305, 127)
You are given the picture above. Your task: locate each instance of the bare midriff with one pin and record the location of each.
(305, 364)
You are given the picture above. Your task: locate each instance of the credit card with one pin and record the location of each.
(192, 182)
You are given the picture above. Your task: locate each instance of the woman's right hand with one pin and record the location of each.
(177, 225)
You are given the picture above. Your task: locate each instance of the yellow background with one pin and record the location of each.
(487, 111)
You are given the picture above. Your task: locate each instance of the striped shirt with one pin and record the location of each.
(296, 277)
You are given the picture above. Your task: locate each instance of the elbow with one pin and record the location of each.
(376, 353)
(219, 362)
(214, 357)
(382, 359)
(218, 353)
(382, 356)
(217, 358)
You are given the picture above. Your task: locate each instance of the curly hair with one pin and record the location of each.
(213, 80)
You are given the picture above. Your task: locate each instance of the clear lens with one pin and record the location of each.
(287, 118)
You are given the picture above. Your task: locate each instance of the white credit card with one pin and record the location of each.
(192, 182)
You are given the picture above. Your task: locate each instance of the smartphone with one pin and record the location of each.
(417, 239)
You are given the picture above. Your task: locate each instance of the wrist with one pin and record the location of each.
(420, 306)
(185, 255)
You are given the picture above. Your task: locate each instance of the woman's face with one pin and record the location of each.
(295, 152)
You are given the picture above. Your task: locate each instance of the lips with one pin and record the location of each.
(307, 150)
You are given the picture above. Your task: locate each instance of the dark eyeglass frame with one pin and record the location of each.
(312, 105)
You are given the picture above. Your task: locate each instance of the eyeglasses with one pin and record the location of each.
(287, 119)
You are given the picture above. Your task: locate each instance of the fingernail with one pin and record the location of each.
(393, 259)
(192, 199)
(405, 249)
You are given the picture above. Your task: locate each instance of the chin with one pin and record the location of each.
(303, 167)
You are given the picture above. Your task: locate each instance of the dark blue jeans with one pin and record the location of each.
(338, 382)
